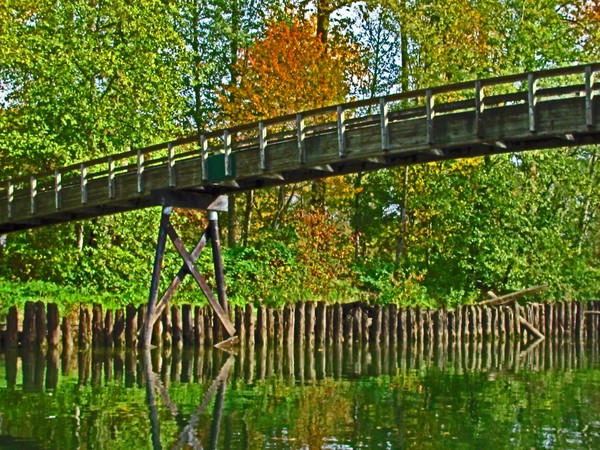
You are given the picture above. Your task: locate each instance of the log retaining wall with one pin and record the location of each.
(39, 325)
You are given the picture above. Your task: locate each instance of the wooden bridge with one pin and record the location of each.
(546, 109)
(538, 110)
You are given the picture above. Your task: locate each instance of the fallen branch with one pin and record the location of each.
(505, 299)
(529, 327)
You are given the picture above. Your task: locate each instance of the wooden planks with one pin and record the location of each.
(543, 109)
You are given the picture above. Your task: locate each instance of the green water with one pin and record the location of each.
(477, 396)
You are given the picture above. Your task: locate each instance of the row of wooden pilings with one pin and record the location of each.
(188, 326)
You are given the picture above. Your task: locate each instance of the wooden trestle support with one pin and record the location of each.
(219, 304)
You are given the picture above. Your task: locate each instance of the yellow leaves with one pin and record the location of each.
(585, 15)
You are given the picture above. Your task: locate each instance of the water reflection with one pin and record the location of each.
(301, 362)
(198, 398)
(188, 438)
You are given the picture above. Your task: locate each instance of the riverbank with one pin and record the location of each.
(43, 325)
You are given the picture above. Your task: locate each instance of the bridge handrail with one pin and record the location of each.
(427, 93)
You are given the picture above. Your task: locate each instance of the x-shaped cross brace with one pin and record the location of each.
(155, 309)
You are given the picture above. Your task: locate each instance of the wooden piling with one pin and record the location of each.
(310, 322)
(348, 326)
(320, 326)
(41, 328)
(270, 324)
(187, 325)
(393, 326)
(177, 321)
(261, 325)
(289, 321)
(329, 320)
(28, 335)
(299, 322)
(119, 329)
(131, 326)
(85, 332)
(163, 329)
(385, 325)
(109, 324)
(250, 323)
(402, 327)
(97, 326)
(365, 326)
(338, 325)
(376, 325)
(357, 324)
(239, 324)
(11, 337)
(198, 326)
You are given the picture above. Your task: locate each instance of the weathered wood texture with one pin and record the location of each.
(307, 326)
(545, 109)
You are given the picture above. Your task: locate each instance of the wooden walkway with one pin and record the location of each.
(539, 110)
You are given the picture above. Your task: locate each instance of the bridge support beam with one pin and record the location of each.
(219, 304)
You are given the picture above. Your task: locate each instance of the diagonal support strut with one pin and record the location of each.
(219, 305)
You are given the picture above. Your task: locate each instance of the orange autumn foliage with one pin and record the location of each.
(286, 71)
(586, 17)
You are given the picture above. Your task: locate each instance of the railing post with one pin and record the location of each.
(589, 97)
(227, 148)
(479, 108)
(171, 164)
(203, 156)
(262, 144)
(33, 193)
(301, 136)
(140, 171)
(385, 129)
(10, 198)
(532, 87)
(111, 178)
(430, 115)
(84, 181)
(341, 127)
(57, 189)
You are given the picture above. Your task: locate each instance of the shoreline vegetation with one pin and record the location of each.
(81, 82)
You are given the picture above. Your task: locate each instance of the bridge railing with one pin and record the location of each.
(217, 149)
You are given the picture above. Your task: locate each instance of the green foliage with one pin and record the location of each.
(80, 80)
(75, 71)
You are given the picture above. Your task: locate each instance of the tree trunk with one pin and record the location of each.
(231, 236)
(403, 219)
(357, 218)
(323, 13)
(404, 64)
(247, 217)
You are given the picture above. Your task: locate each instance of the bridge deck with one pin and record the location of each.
(537, 110)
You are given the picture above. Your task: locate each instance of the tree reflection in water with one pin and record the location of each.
(306, 394)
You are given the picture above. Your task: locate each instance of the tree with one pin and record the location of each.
(585, 17)
(82, 79)
(287, 71)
